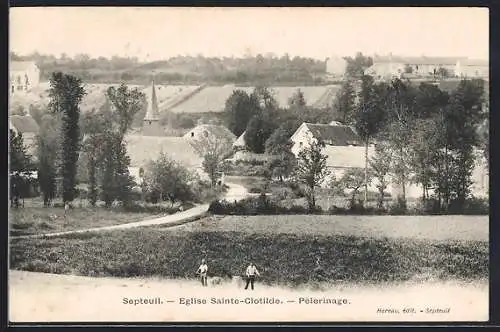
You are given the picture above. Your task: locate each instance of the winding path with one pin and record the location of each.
(235, 192)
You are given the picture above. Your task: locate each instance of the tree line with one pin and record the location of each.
(258, 69)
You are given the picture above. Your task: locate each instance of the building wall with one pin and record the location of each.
(152, 128)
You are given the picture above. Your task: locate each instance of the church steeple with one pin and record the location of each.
(152, 113)
(151, 124)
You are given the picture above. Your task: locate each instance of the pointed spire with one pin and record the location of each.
(152, 113)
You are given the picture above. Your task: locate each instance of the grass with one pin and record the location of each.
(435, 228)
(35, 219)
(283, 258)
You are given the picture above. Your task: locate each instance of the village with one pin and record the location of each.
(200, 176)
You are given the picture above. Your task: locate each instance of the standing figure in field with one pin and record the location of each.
(202, 271)
(251, 272)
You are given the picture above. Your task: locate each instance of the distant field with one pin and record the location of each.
(465, 228)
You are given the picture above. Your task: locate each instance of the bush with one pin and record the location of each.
(261, 205)
(398, 207)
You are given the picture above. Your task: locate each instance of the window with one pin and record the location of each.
(301, 143)
(192, 134)
(13, 89)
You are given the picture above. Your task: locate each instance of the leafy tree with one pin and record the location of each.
(380, 165)
(408, 69)
(168, 180)
(48, 141)
(19, 158)
(369, 116)
(126, 103)
(66, 93)
(239, 109)
(297, 100)
(282, 162)
(116, 181)
(259, 129)
(443, 72)
(214, 150)
(345, 101)
(357, 65)
(353, 179)
(311, 170)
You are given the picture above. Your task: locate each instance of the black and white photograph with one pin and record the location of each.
(260, 164)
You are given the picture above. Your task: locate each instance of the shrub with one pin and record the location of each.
(398, 207)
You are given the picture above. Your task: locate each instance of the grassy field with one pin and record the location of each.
(352, 252)
(35, 219)
(435, 228)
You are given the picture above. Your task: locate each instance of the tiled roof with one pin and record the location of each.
(24, 124)
(142, 149)
(213, 130)
(21, 65)
(338, 135)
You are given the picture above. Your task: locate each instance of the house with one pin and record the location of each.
(473, 68)
(343, 146)
(24, 75)
(142, 149)
(397, 66)
(335, 66)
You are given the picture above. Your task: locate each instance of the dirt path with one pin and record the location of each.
(38, 297)
(235, 192)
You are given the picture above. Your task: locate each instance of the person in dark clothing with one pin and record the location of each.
(251, 272)
(14, 198)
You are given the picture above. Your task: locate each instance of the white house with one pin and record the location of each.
(343, 146)
(24, 75)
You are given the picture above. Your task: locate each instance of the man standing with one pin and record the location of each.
(202, 271)
(251, 273)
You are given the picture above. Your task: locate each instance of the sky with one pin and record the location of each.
(160, 33)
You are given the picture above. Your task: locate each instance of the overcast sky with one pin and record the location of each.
(314, 32)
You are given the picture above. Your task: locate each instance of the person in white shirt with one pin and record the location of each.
(251, 272)
(202, 271)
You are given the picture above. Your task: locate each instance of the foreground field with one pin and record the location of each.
(54, 298)
(291, 258)
(436, 228)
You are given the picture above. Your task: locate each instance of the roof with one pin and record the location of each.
(338, 135)
(422, 60)
(142, 149)
(240, 141)
(346, 156)
(152, 100)
(24, 124)
(213, 130)
(21, 65)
